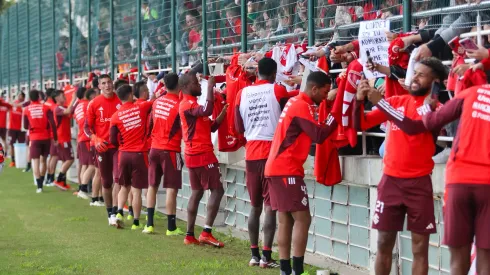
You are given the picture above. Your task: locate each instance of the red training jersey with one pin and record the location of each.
(295, 132)
(38, 119)
(79, 115)
(407, 156)
(128, 127)
(99, 114)
(15, 117)
(166, 133)
(63, 125)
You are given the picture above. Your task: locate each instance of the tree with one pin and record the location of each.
(5, 4)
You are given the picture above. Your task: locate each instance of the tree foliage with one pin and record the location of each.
(4, 5)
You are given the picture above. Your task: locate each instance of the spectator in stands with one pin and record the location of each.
(233, 24)
(149, 13)
(253, 9)
(301, 18)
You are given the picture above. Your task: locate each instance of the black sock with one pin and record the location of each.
(267, 254)
(151, 212)
(13, 159)
(172, 225)
(50, 178)
(114, 210)
(109, 211)
(298, 265)
(96, 199)
(130, 210)
(189, 234)
(207, 230)
(101, 199)
(286, 266)
(61, 177)
(42, 179)
(136, 222)
(255, 252)
(120, 211)
(79, 187)
(84, 188)
(29, 165)
(39, 183)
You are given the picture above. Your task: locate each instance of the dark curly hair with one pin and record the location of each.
(438, 69)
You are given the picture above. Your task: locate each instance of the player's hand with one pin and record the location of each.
(391, 36)
(423, 52)
(374, 96)
(401, 81)
(371, 66)
(294, 80)
(362, 89)
(477, 66)
(479, 54)
(382, 89)
(461, 69)
(225, 108)
(100, 144)
(211, 82)
(331, 95)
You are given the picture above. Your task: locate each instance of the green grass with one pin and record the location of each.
(57, 233)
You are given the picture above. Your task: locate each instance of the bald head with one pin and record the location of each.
(189, 84)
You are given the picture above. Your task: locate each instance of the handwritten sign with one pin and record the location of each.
(372, 38)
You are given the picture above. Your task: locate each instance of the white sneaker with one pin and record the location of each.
(82, 195)
(49, 184)
(97, 203)
(113, 221)
(443, 156)
(39, 190)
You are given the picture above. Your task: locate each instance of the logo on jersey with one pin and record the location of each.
(117, 106)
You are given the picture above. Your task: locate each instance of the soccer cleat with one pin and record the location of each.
(210, 240)
(119, 217)
(83, 195)
(28, 169)
(39, 190)
(254, 261)
(113, 221)
(148, 230)
(136, 227)
(97, 203)
(49, 184)
(268, 264)
(12, 164)
(62, 185)
(188, 240)
(130, 217)
(176, 232)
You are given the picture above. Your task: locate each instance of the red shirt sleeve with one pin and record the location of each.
(364, 121)
(89, 119)
(239, 126)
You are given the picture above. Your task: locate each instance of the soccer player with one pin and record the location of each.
(259, 121)
(2, 157)
(128, 130)
(15, 133)
(97, 124)
(165, 157)
(406, 185)
(204, 173)
(65, 152)
(83, 147)
(3, 124)
(295, 132)
(53, 150)
(38, 119)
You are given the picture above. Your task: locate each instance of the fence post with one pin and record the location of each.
(18, 47)
(138, 31)
(205, 37)
(28, 50)
(311, 23)
(89, 36)
(8, 53)
(70, 42)
(173, 31)
(243, 18)
(55, 65)
(40, 54)
(111, 11)
(407, 15)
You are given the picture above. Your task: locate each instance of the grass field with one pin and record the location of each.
(57, 233)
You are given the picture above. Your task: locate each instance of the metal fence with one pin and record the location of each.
(63, 40)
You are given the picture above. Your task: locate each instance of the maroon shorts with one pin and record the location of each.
(84, 155)
(107, 163)
(467, 215)
(3, 134)
(39, 148)
(207, 177)
(65, 151)
(166, 163)
(288, 194)
(133, 169)
(16, 136)
(257, 183)
(53, 150)
(398, 197)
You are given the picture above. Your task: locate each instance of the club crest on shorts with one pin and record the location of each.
(304, 201)
(375, 219)
(100, 158)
